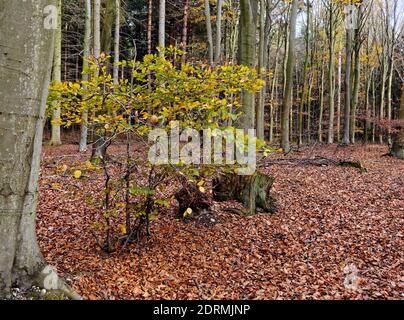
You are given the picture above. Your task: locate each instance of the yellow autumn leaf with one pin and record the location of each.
(55, 186)
(62, 168)
(202, 189)
(77, 174)
(188, 212)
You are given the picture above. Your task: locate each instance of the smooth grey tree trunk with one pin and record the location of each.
(348, 90)
(98, 145)
(57, 76)
(117, 41)
(331, 80)
(86, 76)
(247, 55)
(184, 42)
(97, 28)
(287, 101)
(162, 26)
(218, 48)
(209, 31)
(26, 52)
(398, 138)
(260, 109)
(305, 86)
(339, 96)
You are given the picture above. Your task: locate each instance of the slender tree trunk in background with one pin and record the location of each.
(321, 114)
(57, 76)
(218, 47)
(305, 87)
(22, 116)
(382, 96)
(391, 30)
(390, 73)
(398, 138)
(98, 150)
(234, 38)
(97, 28)
(86, 76)
(107, 23)
(247, 55)
(339, 97)
(355, 96)
(209, 31)
(117, 41)
(185, 31)
(285, 60)
(309, 99)
(287, 101)
(149, 27)
(162, 26)
(260, 110)
(331, 80)
(374, 111)
(367, 110)
(348, 65)
(274, 90)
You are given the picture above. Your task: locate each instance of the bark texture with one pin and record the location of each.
(25, 68)
(398, 137)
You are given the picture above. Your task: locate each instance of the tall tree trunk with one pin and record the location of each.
(97, 28)
(348, 91)
(355, 95)
(305, 87)
(260, 112)
(209, 31)
(107, 23)
(185, 31)
(149, 27)
(117, 41)
(374, 111)
(162, 27)
(98, 150)
(398, 138)
(287, 101)
(24, 77)
(339, 97)
(390, 73)
(57, 76)
(331, 81)
(367, 110)
(247, 55)
(218, 47)
(86, 76)
(382, 96)
(321, 113)
(274, 91)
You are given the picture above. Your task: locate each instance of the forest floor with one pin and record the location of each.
(330, 221)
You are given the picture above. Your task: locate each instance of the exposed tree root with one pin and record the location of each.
(319, 161)
(49, 280)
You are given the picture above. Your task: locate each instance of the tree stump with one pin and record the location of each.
(252, 191)
(191, 197)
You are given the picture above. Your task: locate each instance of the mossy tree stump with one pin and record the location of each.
(254, 192)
